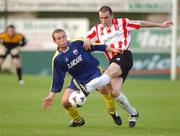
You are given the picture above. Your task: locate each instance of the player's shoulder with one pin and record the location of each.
(77, 41)
(123, 19)
(120, 21)
(56, 55)
(3, 34)
(19, 35)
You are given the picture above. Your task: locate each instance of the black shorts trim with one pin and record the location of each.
(3, 56)
(15, 56)
(125, 61)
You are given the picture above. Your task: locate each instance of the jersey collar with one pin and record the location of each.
(64, 50)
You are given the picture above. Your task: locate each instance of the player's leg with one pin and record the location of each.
(3, 54)
(109, 101)
(119, 64)
(72, 111)
(1, 62)
(116, 84)
(17, 62)
(125, 62)
(112, 71)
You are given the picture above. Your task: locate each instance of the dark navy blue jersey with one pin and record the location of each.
(77, 61)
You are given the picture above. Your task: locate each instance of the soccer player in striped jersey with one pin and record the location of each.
(116, 33)
(71, 57)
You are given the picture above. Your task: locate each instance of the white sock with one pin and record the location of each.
(98, 82)
(123, 101)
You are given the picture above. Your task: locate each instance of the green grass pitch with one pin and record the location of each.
(157, 101)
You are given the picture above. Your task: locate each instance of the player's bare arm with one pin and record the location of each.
(164, 24)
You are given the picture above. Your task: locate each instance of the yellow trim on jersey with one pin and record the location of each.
(80, 87)
(76, 84)
(77, 39)
(55, 55)
(52, 63)
(101, 69)
(98, 44)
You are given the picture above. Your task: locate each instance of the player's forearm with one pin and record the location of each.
(164, 24)
(149, 24)
(98, 47)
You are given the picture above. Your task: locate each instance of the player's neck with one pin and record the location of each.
(63, 49)
(107, 25)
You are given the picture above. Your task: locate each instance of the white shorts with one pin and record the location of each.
(14, 52)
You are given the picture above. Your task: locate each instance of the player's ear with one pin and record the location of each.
(54, 40)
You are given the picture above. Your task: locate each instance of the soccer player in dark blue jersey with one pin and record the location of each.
(71, 57)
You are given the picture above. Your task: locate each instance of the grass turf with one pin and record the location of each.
(157, 102)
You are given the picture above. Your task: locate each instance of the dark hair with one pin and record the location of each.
(105, 9)
(10, 26)
(57, 31)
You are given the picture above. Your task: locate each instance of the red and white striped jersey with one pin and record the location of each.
(117, 35)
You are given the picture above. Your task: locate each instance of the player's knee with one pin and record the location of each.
(1, 61)
(65, 103)
(104, 90)
(115, 93)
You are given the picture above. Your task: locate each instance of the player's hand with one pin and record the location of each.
(117, 50)
(47, 102)
(166, 24)
(87, 44)
(109, 49)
